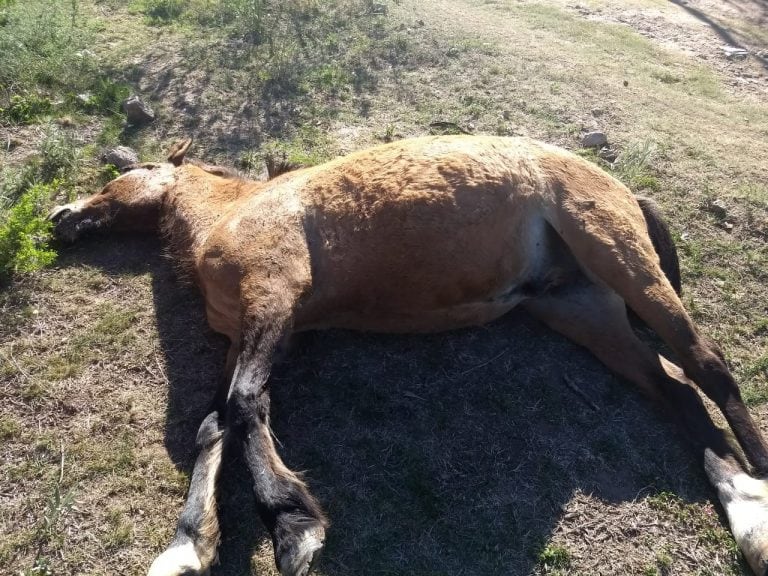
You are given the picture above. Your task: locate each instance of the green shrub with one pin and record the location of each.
(25, 233)
(163, 10)
(554, 556)
(26, 108)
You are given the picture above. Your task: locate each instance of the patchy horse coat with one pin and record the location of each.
(420, 235)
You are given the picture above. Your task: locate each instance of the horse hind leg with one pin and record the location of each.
(595, 318)
(193, 547)
(612, 244)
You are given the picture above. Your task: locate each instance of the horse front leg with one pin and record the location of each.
(290, 513)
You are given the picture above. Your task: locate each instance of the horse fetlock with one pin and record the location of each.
(178, 560)
(298, 547)
(745, 500)
(211, 430)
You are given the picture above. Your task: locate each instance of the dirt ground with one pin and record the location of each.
(463, 453)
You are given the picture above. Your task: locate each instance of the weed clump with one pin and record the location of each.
(554, 557)
(25, 232)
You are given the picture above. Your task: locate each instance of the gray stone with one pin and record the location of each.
(718, 208)
(735, 53)
(594, 140)
(121, 156)
(608, 154)
(137, 112)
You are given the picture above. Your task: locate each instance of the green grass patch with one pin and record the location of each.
(9, 428)
(45, 56)
(111, 332)
(119, 532)
(634, 166)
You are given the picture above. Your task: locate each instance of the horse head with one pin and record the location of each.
(130, 202)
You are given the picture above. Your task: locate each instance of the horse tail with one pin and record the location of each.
(662, 241)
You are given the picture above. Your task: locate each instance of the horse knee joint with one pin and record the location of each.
(248, 407)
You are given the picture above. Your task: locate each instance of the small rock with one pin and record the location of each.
(734, 53)
(727, 226)
(506, 115)
(594, 140)
(137, 112)
(596, 112)
(120, 157)
(718, 208)
(626, 83)
(608, 154)
(420, 23)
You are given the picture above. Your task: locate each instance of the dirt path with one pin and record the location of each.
(696, 29)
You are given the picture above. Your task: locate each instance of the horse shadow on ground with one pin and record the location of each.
(450, 453)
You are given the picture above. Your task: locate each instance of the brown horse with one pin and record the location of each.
(420, 235)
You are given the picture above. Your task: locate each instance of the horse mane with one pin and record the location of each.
(221, 171)
(277, 165)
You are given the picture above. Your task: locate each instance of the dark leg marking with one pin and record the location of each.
(291, 514)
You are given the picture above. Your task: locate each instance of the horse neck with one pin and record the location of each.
(192, 208)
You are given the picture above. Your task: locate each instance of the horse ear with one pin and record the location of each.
(178, 150)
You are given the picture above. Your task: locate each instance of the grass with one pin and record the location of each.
(48, 74)
(438, 454)
(554, 557)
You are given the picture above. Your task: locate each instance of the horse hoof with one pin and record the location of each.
(181, 560)
(745, 500)
(298, 555)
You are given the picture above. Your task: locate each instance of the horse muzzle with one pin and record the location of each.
(69, 222)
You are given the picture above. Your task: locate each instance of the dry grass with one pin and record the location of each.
(461, 453)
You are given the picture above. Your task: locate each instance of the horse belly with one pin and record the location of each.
(428, 280)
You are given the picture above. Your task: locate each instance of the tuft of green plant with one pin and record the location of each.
(60, 156)
(14, 181)
(554, 557)
(308, 147)
(634, 166)
(26, 108)
(104, 97)
(108, 173)
(163, 11)
(25, 233)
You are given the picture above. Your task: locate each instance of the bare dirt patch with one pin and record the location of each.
(701, 30)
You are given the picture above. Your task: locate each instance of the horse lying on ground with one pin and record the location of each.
(420, 235)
